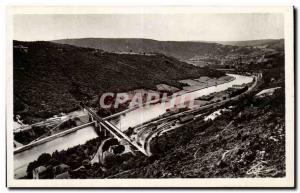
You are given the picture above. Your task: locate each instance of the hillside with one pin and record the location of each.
(50, 77)
(182, 50)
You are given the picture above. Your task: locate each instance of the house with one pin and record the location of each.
(61, 169)
(242, 86)
(39, 172)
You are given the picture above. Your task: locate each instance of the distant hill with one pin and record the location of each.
(267, 43)
(50, 77)
(182, 50)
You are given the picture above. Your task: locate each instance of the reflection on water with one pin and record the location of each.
(129, 119)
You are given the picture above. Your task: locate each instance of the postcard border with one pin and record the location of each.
(287, 182)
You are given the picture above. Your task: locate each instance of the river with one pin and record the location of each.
(129, 119)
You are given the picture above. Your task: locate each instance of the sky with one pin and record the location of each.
(172, 27)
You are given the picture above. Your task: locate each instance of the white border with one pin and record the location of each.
(288, 181)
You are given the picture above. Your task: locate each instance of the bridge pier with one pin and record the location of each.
(91, 117)
(113, 130)
(102, 131)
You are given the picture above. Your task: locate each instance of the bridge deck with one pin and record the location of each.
(114, 130)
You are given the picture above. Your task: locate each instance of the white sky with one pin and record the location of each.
(177, 27)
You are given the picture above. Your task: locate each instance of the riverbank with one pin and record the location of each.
(47, 139)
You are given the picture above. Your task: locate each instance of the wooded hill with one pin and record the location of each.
(50, 78)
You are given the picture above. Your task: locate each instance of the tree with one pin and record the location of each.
(31, 166)
(43, 159)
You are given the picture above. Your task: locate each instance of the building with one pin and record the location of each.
(39, 172)
(242, 86)
(206, 97)
(60, 169)
(186, 118)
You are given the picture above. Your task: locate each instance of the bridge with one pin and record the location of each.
(113, 129)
